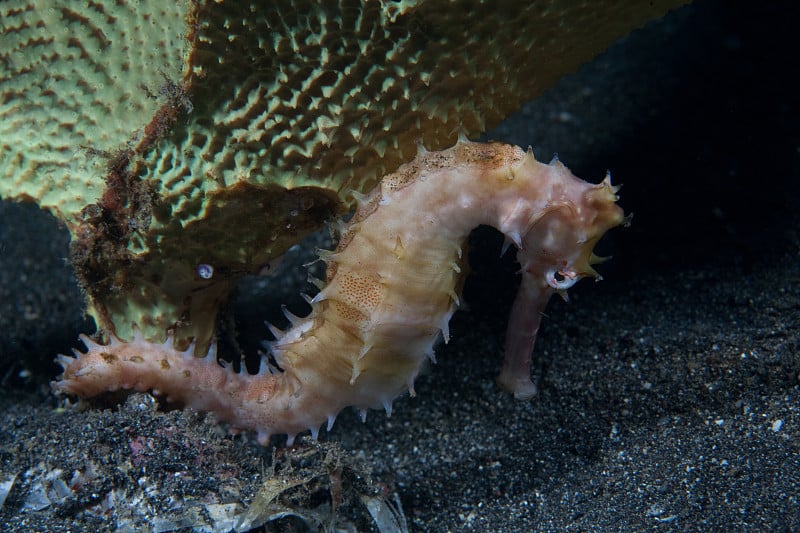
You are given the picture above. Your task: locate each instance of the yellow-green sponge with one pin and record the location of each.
(185, 144)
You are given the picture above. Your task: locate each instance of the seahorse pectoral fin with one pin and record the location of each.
(523, 325)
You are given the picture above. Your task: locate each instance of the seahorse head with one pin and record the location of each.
(558, 244)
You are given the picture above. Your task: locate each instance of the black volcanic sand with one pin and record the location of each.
(669, 393)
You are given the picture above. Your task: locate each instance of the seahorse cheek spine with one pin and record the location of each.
(391, 287)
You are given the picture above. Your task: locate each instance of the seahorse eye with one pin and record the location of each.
(561, 279)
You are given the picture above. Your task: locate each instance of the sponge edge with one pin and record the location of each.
(391, 287)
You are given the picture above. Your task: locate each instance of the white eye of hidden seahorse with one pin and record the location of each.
(561, 279)
(205, 271)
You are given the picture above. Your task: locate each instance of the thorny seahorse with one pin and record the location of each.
(391, 286)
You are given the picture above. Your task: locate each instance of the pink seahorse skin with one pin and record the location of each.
(392, 285)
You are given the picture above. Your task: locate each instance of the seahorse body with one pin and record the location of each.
(392, 285)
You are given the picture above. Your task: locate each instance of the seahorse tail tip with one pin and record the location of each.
(520, 386)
